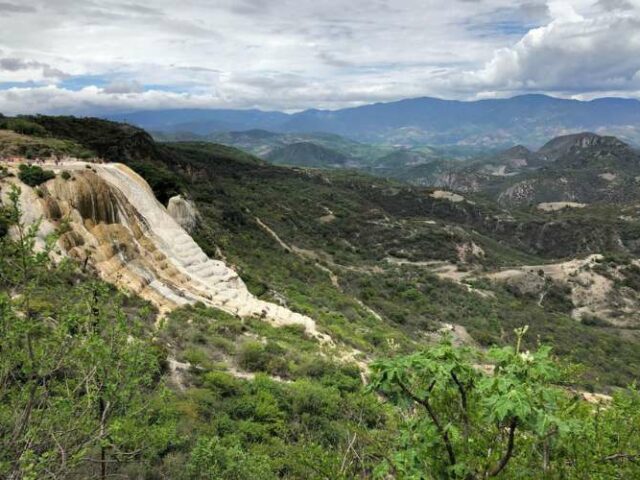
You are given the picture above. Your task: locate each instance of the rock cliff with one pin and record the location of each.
(183, 211)
(110, 220)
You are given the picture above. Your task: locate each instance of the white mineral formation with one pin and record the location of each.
(183, 211)
(116, 225)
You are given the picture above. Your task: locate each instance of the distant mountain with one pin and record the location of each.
(527, 119)
(403, 158)
(262, 142)
(201, 121)
(518, 156)
(584, 147)
(306, 154)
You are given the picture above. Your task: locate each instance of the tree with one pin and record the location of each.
(465, 423)
(76, 374)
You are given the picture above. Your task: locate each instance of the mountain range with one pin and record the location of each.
(527, 119)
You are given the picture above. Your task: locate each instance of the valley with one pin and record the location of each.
(261, 283)
(329, 244)
(320, 240)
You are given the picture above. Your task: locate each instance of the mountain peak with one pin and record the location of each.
(574, 143)
(517, 150)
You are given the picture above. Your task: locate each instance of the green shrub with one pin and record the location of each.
(23, 126)
(211, 458)
(631, 277)
(558, 298)
(253, 357)
(221, 382)
(65, 175)
(196, 357)
(594, 321)
(33, 175)
(456, 413)
(4, 226)
(269, 358)
(164, 183)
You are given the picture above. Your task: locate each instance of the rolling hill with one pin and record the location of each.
(306, 154)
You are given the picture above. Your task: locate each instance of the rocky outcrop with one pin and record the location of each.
(184, 212)
(579, 142)
(592, 286)
(110, 220)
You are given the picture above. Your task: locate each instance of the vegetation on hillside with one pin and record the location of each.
(34, 175)
(94, 385)
(372, 220)
(83, 395)
(514, 421)
(14, 144)
(342, 227)
(80, 382)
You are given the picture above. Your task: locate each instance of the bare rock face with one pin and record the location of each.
(184, 212)
(109, 219)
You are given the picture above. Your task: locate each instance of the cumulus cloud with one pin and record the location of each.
(615, 4)
(122, 87)
(572, 54)
(294, 54)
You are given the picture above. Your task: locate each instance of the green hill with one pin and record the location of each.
(304, 154)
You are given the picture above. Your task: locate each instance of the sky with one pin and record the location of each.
(98, 56)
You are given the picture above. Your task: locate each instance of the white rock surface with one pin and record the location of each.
(184, 212)
(117, 224)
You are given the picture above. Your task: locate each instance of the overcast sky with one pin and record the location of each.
(84, 56)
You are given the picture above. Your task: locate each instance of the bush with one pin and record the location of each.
(222, 383)
(631, 277)
(210, 458)
(23, 126)
(551, 433)
(253, 357)
(4, 227)
(33, 175)
(558, 298)
(65, 175)
(594, 321)
(269, 358)
(164, 183)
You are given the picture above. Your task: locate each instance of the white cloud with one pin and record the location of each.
(294, 54)
(18, 69)
(571, 54)
(120, 87)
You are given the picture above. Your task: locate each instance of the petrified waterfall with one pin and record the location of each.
(112, 221)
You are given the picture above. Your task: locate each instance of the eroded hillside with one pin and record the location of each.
(580, 169)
